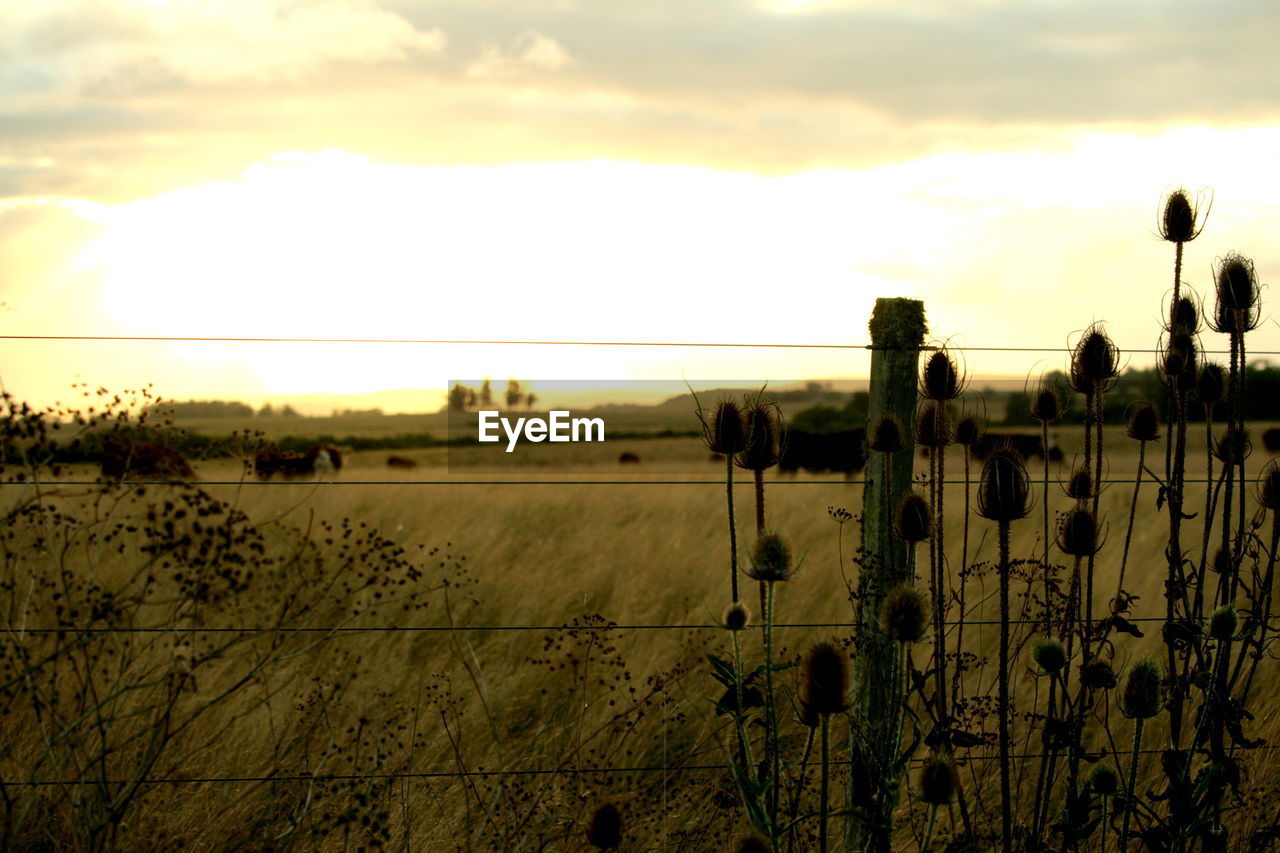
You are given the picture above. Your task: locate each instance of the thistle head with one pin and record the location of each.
(725, 432)
(968, 431)
(1182, 215)
(1143, 692)
(762, 448)
(826, 680)
(886, 435)
(736, 617)
(770, 558)
(938, 781)
(914, 522)
(932, 428)
(905, 614)
(605, 831)
(940, 379)
(1004, 490)
(1078, 532)
(1223, 623)
(1143, 423)
(1046, 405)
(1049, 654)
(1095, 361)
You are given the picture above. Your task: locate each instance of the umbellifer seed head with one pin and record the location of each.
(1004, 490)
(905, 615)
(1143, 423)
(915, 520)
(605, 832)
(1078, 532)
(1143, 694)
(941, 378)
(1222, 625)
(937, 781)
(770, 559)
(826, 680)
(886, 437)
(1049, 654)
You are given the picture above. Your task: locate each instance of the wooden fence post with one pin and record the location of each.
(897, 334)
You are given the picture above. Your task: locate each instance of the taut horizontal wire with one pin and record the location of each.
(314, 483)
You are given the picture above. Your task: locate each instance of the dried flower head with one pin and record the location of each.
(725, 432)
(1143, 423)
(1143, 691)
(1237, 283)
(770, 558)
(968, 431)
(1178, 362)
(736, 617)
(1233, 446)
(940, 379)
(1046, 405)
(932, 427)
(1222, 561)
(826, 680)
(1097, 675)
(1269, 487)
(763, 447)
(886, 436)
(1182, 215)
(1211, 383)
(1223, 623)
(1004, 490)
(1078, 532)
(914, 522)
(905, 615)
(1185, 316)
(1049, 654)
(1095, 361)
(605, 831)
(938, 781)
(1080, 485)
(1104, 780)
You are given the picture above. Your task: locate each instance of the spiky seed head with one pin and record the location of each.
(763, 435)
(932, 428)
(938, 781)
(1178, 220)
(1046, 406)
(941, 378)
(1233, 445)
(605, 831)
(1004, 490)
(1186, 316)
(1179, 359)
(736, 617)
(1104, 780)
(826, 680)
(1143, 423)
(1211, 383)
(1237, 283)
(886, 437)
(1221, 564)
(753, 845)
(905, 615)
(1049, 654)
(1080, 486)
(1078, 532)
(1223, 623)
(1269, 487)
(1097, 675)
(1095, 361)
(968, 431)
(1143, 692)
(726, 433)
(914, 522)
(770, 558)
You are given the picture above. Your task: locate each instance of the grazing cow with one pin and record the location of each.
(401, 462)
(291, 466)
(122, 458)
(629, 458)
(818, 452)
(1024, 445)
(1271, 440)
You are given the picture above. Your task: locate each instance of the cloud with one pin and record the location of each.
(528, 51)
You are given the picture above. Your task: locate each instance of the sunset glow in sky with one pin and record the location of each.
(713, 171)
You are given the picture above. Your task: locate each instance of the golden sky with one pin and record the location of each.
(681, 170)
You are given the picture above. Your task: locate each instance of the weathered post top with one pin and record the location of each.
(897, 323)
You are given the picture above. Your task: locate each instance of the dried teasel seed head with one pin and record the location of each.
(1097, 675)
(1104, 780)
(763, 446)
(932, 429)
(914, 522)
(826, 680)
(1237, 283)
(770, 558)
(1178, 217)
(1143, 691)
(1223, 623)
(1221, 564)
(1211, 383)
(1143, 423)
(905, 615)
(753, 845)
(886, 437)
(1233, 445)
(1269, 487)
(1078, 532)
(1049, 654)
(1095, 361)
(941, 378)
(605, 831)
(736, 617)
(968, 431)
(1185, 316)
(1080, 486)
(726, 433)
(938, 781)
(1046, 406)
(1004, 490)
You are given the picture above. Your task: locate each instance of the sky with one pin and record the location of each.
(711, 171)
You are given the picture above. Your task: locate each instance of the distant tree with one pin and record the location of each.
(267, 411)
(288, 411)
(514, 394)
(472, 398)
(530, 399)
(486, 393)
(458, 397)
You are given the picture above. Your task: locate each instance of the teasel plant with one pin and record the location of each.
(1181, 218)
(762, 450)
(826, 690)
(1004, 495)
(1211, 389)
(968, 432)
(725, 433)
(1141, 701)
(1047, 407)
(1142, 424)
